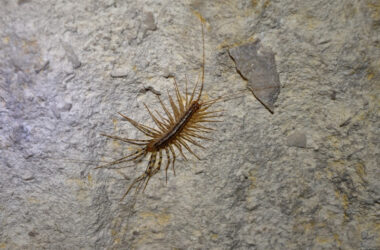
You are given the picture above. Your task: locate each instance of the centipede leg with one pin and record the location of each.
(186, 95)
(167, 164)
(145, 129)
(137, 180)
(159, 162)
(187, 147)
(174, 157)
(178, 145)
(150, 168)
(131, 141)
(138, 153)
(179, 96)
(135, 161)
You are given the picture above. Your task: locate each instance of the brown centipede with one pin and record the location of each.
(175, 131)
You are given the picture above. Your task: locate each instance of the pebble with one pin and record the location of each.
(297, 139)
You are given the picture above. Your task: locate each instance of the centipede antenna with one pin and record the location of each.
(203, 61)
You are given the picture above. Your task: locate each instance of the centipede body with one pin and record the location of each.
(176, 131)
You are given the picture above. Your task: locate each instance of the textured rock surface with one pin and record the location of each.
(251, 189)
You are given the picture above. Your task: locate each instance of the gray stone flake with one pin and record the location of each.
(73, 58)
(297, 139)
(256, 64)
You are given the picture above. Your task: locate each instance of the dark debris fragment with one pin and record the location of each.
(257, 65)
(151, 89)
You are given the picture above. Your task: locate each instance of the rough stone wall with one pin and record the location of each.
(306, 177)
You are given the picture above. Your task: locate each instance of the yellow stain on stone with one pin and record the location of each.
(161, 219)
(6, 40)
(370, 75)
(83, 185)
(337, 165)
(205, 96)
(199, 15)
(82, 195)
(345, 203)
(3, 245)
(324, 239)
(309, 226)
(29, 46)
(228, 44)
(375, 7)
(254, 3)
(33, 200)
(327, 239)
(312, 23)
(266, 4)
(214, 236)
(377, 230)
(89, 178)
(360, 170)
(115, 143)
(333, 140)
(114, 233)
(75, 181)
(134, 68)
(337, 240)
(252, 180)
(114, 121)
(148, 238)
(197, 233)
(116, 241)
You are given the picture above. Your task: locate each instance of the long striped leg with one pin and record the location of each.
(165, 121)
(159, 162)
(137, 180)
(135, 162)
(131, 141)
(150, 168)
(178, 145)
(174, 107)
(167, 164)
(159, 124)
(138, 153)
(179, 96)
(206, 120)
(147, 174)
(200, 127)
(193, 93)
(187, 132)
(154, 170)
(145, 129)
(189, 139)
(174, 157)
(188, 148)
(171, 119)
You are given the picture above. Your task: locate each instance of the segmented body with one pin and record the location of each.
(175, 131)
